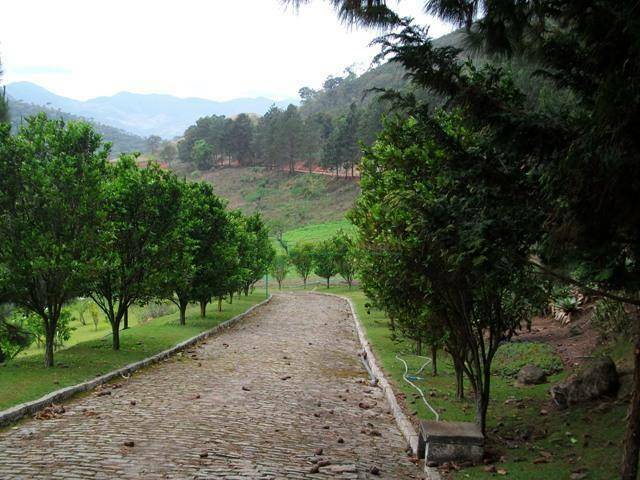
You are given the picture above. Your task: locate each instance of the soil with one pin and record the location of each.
(575, 342)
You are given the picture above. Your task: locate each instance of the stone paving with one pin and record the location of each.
(258, 401)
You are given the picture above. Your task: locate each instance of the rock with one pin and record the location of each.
(340, 440)
(364, 406)
(129, 443)
(318, 451)
(204, 455)
(597, 379)
(531, 375)
(324, 463)
(246, 389)
(314, 469)
(374, 470)
(344, 469)
(132, 402)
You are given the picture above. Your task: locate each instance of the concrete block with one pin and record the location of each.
(441, 442)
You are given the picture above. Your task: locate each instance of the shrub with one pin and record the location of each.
(512, 356)
(610, 319)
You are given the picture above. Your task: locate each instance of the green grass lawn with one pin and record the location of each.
(560, 442)
(89, 353)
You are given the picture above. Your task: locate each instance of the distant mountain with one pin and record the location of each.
(121, 141)
(145, 115)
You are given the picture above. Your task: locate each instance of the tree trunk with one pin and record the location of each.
(203, 308)
(115, 329)
(304, 282)
(419, 347)
(279, 284)
(231, 298)
(50, 334)
(434, 359)
(631, 447)
(482, 399)
(126, 318)
(327, 282)
(183, 313)
(219, 304)
(459, 378)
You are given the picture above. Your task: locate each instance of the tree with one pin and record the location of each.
(50, 177)
(153, 142)
(291, 131)
(241, 139)
(302, 259)
(324, 260)
(169, 152)
(201, 217)
(279, 268)
(136, 240)
(4, 103)
(345, 256)
(257, 252)
(456, 240)
(202, 155)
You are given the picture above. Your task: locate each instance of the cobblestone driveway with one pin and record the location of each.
(257, 401)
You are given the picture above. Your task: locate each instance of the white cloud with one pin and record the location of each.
(217, 49)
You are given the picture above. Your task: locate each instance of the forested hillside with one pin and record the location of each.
(327, 130)
(122, 142)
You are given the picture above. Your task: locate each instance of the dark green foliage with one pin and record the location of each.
(611, 319)
(302, 258)
(345, 256)
(324, 260)
(4, 103)
(279, 268)
(50, 186)
(136, 238)
(444, 232)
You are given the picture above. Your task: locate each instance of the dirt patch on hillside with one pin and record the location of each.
(574, 342)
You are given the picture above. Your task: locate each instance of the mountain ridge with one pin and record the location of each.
(142, 114)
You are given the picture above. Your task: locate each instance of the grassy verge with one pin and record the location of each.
(530, 439)
(25, 378)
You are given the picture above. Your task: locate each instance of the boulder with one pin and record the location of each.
(531, 375)
(597, 379)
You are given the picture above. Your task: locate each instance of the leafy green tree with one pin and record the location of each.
(202, 215)
(345, 256)
(50, 185)
(136, 240)
(302, 257)
(324, 260)
(456, 241)
(280, 268)
(257, 253)
(202, 155)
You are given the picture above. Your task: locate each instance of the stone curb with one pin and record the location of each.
(404, 424)
(14, 414)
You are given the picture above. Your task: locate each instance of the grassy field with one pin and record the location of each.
(290, 200)
(89, 354)
(531, 439)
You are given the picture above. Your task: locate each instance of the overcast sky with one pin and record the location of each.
(216, 49)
